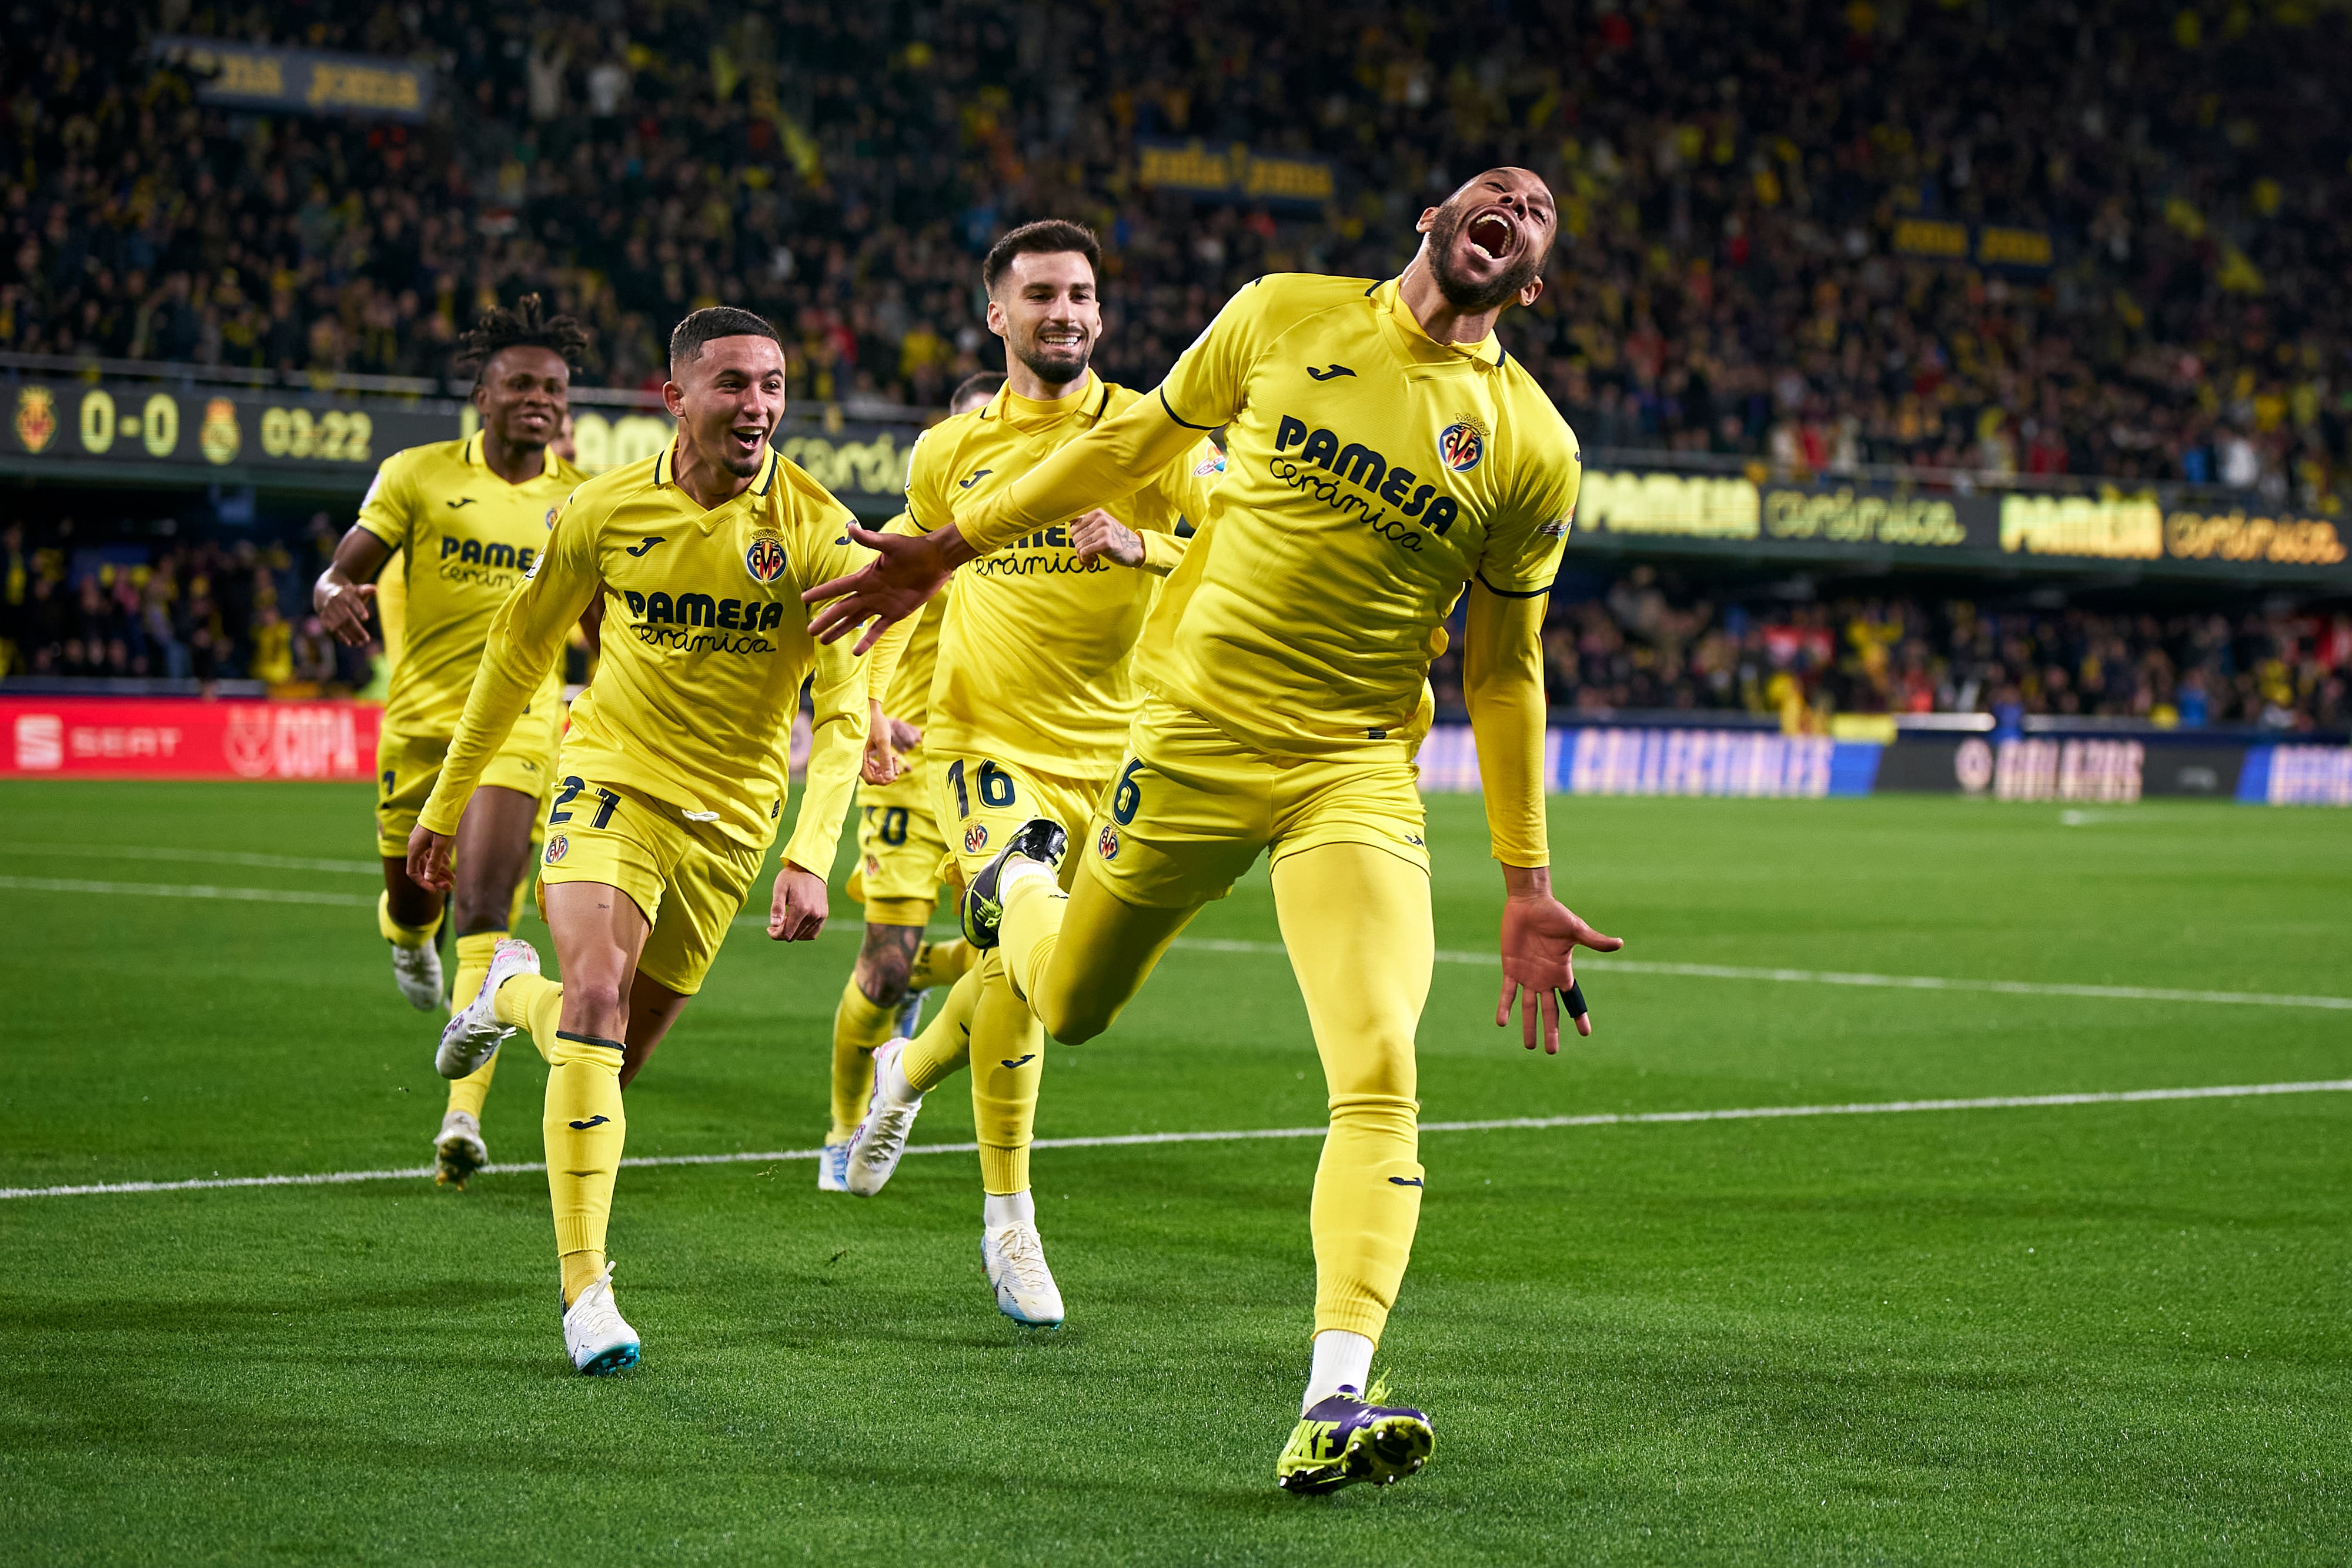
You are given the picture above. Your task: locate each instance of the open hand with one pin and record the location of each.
(906, 570)
(1540, 936)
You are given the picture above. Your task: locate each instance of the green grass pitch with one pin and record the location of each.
(2110, 1332)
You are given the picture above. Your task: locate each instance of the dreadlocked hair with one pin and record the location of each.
(527, 325)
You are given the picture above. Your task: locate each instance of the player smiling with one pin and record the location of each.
(1030, 704)
(465, 519)
(673, 769)
(1386, 458)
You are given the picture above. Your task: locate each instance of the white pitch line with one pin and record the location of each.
(183, 890)
(1136, 1140)
(1837, 978)
(204, 857)
(1275, 949)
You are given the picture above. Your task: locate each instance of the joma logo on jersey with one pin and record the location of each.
(702, 610)
(1369, 470)
(474, 552)
(764, 559)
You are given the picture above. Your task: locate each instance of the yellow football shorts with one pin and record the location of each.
(688, 878)
(1191, 808)
(407, 765)
(979, 802)
(898, 849)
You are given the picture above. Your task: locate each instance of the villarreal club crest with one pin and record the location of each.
(1460, 445)
(764, 559)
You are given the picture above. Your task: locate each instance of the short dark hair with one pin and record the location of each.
(527, 325)
(981, 384)
(1044, 236)
(711, 323)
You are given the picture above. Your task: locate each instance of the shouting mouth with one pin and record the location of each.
(746, 443)
(1492, 236)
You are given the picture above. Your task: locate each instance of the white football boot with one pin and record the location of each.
(600, 1340)
(833, 1167)
(458, 1150)
(417, 972)
(881, 1137)
(474, 1033)
(1015, 1259)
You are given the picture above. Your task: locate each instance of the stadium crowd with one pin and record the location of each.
(1636, 641)
(1731, 179)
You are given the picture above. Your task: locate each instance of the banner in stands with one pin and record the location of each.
(168, 737)
(1234, 173)
(264, 80)
(2086, 769)
(1833, 516)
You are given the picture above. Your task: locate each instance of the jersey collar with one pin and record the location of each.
(1388, 299)
(666, 477)
(1091, 403)
(474, 459)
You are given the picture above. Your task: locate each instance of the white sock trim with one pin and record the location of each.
(1343, 1365)
(1008, 1208)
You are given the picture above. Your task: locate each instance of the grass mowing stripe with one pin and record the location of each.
(1275, 949)
(205, 857)
(1139, 1140)
(183, 890)
(1836, 977)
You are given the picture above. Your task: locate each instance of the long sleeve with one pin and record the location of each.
(839, 693)
(881, 660)
(1113, 460)
(1503, 685)
(526, 638)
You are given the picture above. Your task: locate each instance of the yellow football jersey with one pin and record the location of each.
(706, 643)
(463, 539)
(909, 696)
(1034, 658)
(1372, 473)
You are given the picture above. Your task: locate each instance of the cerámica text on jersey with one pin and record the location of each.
(1369, 470)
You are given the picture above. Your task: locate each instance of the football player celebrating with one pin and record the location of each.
(466, 519)
(673, 772)
(1029, 706)
(898, 880)
(1386, 458)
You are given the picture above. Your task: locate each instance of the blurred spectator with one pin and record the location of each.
(1732, 179)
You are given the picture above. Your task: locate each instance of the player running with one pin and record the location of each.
(466, 519)
(1385, 458)
(673, 772)
(1029, 706)
(898, 880)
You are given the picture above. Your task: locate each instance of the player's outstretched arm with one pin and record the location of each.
(527, 636)
(1502, 683)
(1110, 461)
(346, 590)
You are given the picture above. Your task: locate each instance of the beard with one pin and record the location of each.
(1470, 297)
(1057, 366)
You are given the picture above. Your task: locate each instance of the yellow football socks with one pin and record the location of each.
(859, 1026)
(946, 1041)
(983, 1022)
(940, 964)
(585, 1128)
(1356, 920)
(534, 1004)
(472, 962)
(401, 935)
